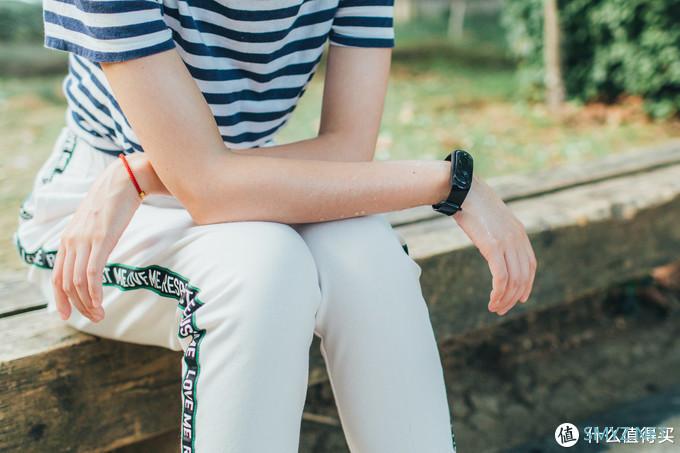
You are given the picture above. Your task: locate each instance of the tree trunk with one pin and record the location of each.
(457, 19)
(551, 54)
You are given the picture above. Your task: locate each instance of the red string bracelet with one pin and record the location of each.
(140, 192)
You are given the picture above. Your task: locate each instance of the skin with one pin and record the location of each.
(331, 176)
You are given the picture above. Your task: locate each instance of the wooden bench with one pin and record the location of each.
(592, 226)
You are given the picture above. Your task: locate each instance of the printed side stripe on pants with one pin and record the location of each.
(166, 283)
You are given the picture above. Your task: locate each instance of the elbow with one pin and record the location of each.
(199, 217)
(205, 208)
(195, 204)
(194, 201)
(205, 197)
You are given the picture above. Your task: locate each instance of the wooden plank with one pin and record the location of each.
(586, 238)
(525, 185)
(17, 295)
(65, 391)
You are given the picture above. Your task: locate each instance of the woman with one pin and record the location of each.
(242, 250)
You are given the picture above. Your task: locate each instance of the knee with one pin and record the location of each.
(267, 275)
(366, 278)
(360, 247)
(362, 256)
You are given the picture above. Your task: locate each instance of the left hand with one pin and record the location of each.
(502, 240)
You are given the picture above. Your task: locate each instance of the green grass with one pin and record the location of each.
(441, 96)
(444, 96)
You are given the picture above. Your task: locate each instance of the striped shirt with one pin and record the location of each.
(251, 59)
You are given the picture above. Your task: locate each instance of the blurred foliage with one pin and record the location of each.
(609, 48)
(20, 22)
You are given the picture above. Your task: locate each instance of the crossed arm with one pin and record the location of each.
(331, 176)
(309, 184)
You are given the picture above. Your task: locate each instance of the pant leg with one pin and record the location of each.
(242, 299)
(377, 339)
(249, 324)
(238, 298)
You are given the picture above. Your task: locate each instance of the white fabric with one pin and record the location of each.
(251, 296)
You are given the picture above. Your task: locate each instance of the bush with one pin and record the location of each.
(609, 48)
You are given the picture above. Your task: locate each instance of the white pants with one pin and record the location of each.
(243, 301)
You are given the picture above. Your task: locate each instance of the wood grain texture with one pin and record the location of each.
(18, 295)
(66, 391)
(586, 239)
(78, 392)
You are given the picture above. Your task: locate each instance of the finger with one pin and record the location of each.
(68, 286)
(514, 275)
(523, 259)
(531, 263)
(60, 296)
(95, 267)
(523, 277)
(82, 255)
(80, 281)
(499, 272)
(523, 272)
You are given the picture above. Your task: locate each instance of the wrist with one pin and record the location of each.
(460, 181)
(121, 181)
(442, 181)
(145, 174)
(468, 206)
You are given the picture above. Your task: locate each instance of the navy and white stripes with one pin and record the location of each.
(252, 59)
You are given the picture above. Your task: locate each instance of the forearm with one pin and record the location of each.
(238, 188)
(301, 184)
(300, 191)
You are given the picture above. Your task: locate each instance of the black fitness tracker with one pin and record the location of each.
(461, 180)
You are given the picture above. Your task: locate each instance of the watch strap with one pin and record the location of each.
(453, 202)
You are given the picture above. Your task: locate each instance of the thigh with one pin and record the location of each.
(377, 339)
(363, 268)
(164, 267)
(163, 262)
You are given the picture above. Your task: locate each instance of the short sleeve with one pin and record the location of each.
(106, 30)
(363, 23)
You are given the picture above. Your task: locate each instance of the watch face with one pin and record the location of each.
(462, 177)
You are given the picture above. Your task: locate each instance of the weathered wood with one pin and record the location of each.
(64, 391)
(17, 295)
(585, 238)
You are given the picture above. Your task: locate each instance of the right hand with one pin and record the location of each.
(89, 238)
(503, 242)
